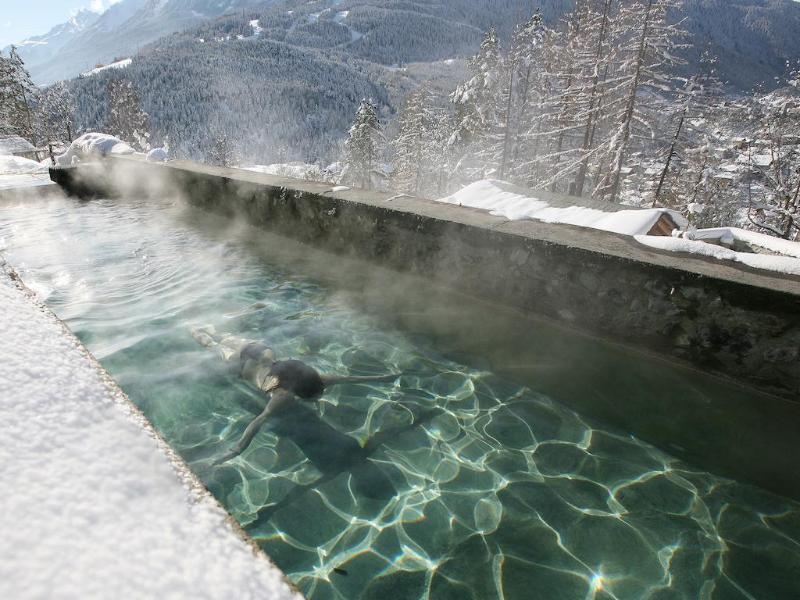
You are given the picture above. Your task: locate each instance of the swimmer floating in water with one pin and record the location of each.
(285, 382)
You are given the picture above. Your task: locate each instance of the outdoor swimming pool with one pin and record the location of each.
(452, 482)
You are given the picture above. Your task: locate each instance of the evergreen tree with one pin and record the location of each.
(126, 119)
(363, 147)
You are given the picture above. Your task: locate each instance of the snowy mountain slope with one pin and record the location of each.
(282, 102)
(122, 30)
(753, 39)
(42, 48)
(273, 64)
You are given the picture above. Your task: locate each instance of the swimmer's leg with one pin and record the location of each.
(280, 398)
(228, 346)
(205, 335)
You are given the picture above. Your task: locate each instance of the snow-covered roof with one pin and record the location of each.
(93, 505)
(513, 203)
(14, 144)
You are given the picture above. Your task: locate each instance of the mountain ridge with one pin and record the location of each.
(753, 39)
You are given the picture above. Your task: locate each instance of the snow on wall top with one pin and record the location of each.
(501, 201)
(92, 145)
(786, 262)
(92, 508)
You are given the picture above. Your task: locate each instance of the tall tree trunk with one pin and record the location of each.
(627, 118)
(671, 153)
(578, 14)
(580, 179)
(525, 86)
(507, 128)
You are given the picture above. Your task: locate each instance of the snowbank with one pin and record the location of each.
(92, 508)
(16, 165)
(92, 145)
(728, 236)
(788, 265)
(157, 155)
(500, 201)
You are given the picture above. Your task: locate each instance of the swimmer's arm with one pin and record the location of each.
(279, 398)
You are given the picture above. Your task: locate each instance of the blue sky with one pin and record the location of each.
(20, 19)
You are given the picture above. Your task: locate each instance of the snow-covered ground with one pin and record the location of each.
(16, 165)
(499, 200)
(120, 64)
(18, 172)
(92, 507)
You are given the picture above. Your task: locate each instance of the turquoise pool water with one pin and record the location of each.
(452, 482)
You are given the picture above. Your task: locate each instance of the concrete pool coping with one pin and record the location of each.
(65, 533)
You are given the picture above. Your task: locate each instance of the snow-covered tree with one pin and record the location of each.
(54, 113)
(363, 147)
(596, 54)
(126, 119)
(475, 105)
(16, 91)
(687, 155)
(568, 72)
(220, 152)
(773, 159)
(529, 100)
(647, 40)
(420, 159)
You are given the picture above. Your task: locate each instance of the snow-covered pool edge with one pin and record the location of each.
(95, 502)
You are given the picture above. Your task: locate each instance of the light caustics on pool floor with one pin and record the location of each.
(496, 490)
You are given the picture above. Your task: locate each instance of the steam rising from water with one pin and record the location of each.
(504, 493)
